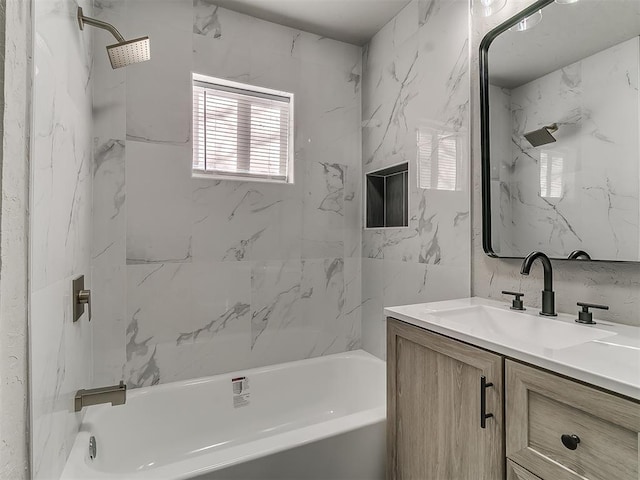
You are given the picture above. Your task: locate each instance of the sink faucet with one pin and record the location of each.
(548, 296)
(578, 254)
(116, 395)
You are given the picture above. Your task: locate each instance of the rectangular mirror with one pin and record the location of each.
(560, 121)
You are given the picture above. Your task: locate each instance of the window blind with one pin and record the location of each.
(551, 173)
(240, 133)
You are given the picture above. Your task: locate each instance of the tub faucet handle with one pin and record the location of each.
(585, 316)
(517, 303)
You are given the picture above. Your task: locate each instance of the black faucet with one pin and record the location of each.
(578, 254)
(548, 297)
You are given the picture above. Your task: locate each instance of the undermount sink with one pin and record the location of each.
(488, 322)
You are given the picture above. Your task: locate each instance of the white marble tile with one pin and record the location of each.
(235, 221)
(158, 93)
(388, 130)
(109, 309)
(373, 322)
(109, 85)
(61, 164)
(158, 203)
(328, 118)
(108, 215)
(280, 330)
(60, 365)
(416, 80)
(60, 228)
(351, 319)
(353, 213)
(206, 19)
(373, 243)
(174, 305)
(325, 304)
(323, 210)
(227, 56)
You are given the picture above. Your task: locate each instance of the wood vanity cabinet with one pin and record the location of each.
(434, 399)
(555, 428)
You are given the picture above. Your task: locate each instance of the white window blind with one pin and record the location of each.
(240, 132)
(551, 173)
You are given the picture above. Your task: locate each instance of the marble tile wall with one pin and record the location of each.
(416, 85)
(614, 284)
(193, 276)
(60, 243)
(589, 204)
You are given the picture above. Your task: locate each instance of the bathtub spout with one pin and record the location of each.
(116, 395)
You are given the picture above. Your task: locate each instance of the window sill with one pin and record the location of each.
(238, 178)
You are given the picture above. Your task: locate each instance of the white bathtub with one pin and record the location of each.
(312, 419)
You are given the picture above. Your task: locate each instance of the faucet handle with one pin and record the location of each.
(517, 303)
(585, 316)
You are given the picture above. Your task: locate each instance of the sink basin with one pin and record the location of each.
(509, 326)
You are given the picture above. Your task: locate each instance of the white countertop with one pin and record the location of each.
(612, 362)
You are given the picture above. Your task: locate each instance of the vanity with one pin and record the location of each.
(484, 389)
(476, 390)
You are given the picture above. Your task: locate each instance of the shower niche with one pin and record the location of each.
(387, 202)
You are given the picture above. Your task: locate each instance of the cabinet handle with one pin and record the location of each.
(483, 401)
(570, 441)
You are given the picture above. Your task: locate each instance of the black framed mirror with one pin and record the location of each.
(560, 129)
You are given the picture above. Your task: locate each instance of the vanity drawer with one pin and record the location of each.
(541, 407)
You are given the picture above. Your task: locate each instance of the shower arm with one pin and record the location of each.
(97, 23)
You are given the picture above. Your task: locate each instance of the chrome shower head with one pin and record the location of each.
(543, 136)
(125, 52)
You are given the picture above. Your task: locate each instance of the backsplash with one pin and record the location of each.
(613, 284)
(414, 112)
(199, 276)
(60, 243)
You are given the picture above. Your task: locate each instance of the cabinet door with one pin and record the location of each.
(434, 396)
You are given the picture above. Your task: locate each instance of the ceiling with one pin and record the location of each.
(566, 34)
(351, 21)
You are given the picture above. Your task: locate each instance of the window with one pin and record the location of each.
(241, 132)
(551, 172)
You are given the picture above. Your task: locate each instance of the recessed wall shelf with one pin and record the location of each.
(387, 197)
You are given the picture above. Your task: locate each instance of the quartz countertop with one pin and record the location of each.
(612, 363)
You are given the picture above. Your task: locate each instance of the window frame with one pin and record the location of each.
(251, 90)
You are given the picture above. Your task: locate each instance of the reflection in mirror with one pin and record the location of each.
(561, 156)
(440, 153)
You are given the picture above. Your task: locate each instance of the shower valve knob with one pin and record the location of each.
(80, 297)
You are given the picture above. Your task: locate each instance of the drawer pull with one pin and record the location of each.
(570, 441)
(483, 401)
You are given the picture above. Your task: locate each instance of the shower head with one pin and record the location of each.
(129, 52)
(543, 136)
(125, 52)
